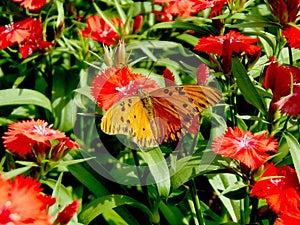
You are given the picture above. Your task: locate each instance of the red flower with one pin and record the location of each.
(169, 78)
(215, 5)
(226, 44)
(31, 4)
(35, 40)
(244, 146)
(289, 104)
(15, 33)
(27, 136)
(238, 43)
(285, 11)
(292, 34)
(114, 84)
(280, 187)
(21, 202)
(100, 31)
(66, 215)
(288, 218)
(178, 7)
(279, 79)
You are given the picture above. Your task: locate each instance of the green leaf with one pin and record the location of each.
(219, 183)
(61, 14)
(109, 202)
(65, 113)
(246, 86)
(159, 170)
(294, 148)
(24, 96)
(18, 171)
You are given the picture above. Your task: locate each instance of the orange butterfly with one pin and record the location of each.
(161, 115)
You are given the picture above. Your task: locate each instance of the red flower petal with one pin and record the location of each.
(292, 34)
(287, 218)
(66, 215)
(289, 104)
(202, 74)
(15, 199)
(169, 78)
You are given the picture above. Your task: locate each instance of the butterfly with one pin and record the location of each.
(162, 115)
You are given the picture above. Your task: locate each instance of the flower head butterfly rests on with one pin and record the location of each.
(147, 113)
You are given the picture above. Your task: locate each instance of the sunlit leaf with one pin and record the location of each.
(24, 96)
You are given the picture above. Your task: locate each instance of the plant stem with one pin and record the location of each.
(196, 202)
(253, 215)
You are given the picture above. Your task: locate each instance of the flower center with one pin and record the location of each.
(9, 28)
(278, 182)
(126, 90)
(43, 130)
(245, 141)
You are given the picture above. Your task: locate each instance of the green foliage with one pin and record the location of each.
(175, 183)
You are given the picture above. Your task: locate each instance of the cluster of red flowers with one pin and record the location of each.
(278, 186)
(28, 33)
(37, 141)
(22, 202)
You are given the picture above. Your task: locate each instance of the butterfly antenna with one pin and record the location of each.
(150, 72)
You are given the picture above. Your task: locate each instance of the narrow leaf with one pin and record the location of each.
(246, 86)
(294, 148)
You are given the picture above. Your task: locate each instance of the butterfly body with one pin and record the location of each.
(161, 115)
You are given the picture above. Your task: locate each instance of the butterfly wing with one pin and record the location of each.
(165, 114)
(130, 117)
(174, 108)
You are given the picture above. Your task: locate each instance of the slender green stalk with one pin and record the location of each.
(196, 202)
